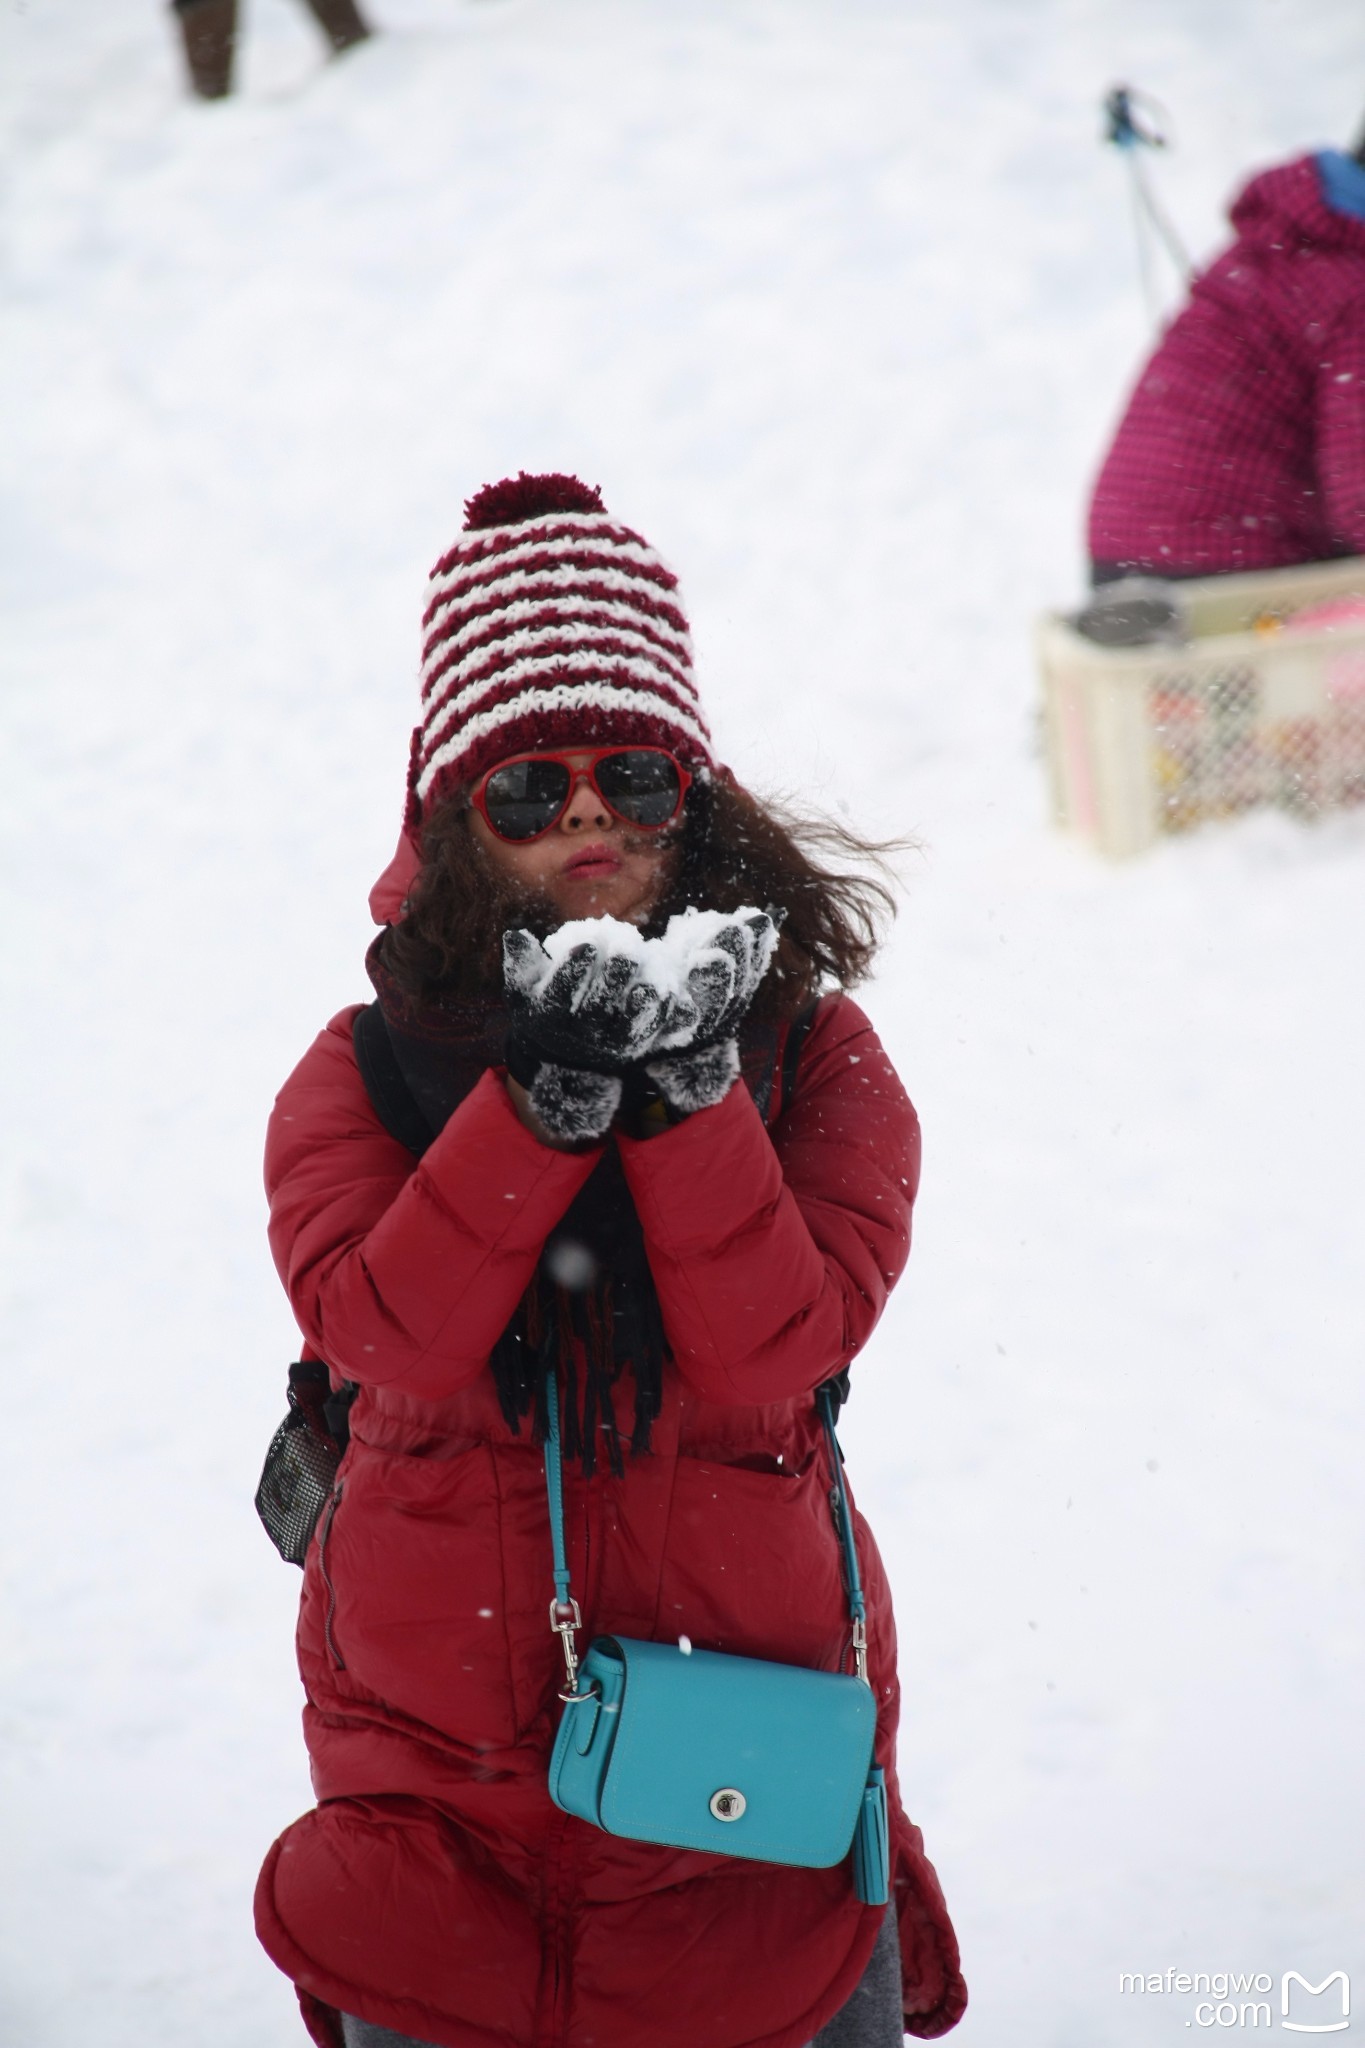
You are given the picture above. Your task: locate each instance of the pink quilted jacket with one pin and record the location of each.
(1243, 445)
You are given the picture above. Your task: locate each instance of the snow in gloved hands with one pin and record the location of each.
(598, 998)
(726, 963)
(582, 1014)
(598, 994)
(723, 956)
(588, 998)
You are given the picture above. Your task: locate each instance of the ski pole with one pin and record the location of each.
(1131, 128)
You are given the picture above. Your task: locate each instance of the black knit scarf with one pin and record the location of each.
(591, 1310)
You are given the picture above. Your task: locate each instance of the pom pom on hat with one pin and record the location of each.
(528, 497)
(548, 624)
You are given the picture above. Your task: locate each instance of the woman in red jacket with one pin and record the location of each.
(692, 1199)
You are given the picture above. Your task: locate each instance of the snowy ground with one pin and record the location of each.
(835, 300)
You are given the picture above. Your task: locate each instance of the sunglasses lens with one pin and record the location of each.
(642, 787)
(524, 797)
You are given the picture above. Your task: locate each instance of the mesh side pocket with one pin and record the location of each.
(295, 1485)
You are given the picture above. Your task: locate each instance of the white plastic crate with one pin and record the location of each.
(1251, 711)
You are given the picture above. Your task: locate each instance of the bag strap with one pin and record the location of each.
(391, 1098)
(826, 1399)
(396, 1107)
(793, 1039)
(565, 1618)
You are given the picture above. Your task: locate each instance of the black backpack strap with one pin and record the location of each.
(300, 1470)
(393, 1101)
(793, 1040)
(396, 1107)
(836, 1390)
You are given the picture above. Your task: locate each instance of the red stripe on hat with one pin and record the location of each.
(570, 568)
(491, 541)
(587, 603)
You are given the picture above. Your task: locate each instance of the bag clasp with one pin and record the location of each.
(566, 1620)
(860, 1649)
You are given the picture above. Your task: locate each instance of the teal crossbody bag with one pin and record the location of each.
(735, 1755)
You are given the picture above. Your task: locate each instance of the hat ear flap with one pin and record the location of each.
(389, 896)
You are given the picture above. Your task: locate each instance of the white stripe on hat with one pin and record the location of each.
(473, 570)
(560, 583)
(563, 697)
(492, 540)
(500, 655)
(610, 611)
(600, 666)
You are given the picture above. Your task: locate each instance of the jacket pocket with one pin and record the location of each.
(413, 1583)
(752, 1567)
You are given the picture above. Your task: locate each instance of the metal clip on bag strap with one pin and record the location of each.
(565, 1618)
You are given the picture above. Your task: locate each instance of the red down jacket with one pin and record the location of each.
(435, 1888)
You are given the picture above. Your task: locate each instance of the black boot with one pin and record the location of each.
(339, 22)
(209, 29)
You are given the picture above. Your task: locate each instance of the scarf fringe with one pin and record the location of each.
(592, 1330)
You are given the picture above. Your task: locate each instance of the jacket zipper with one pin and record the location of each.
(338, 1661)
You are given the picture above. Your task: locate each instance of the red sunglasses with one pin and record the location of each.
(525, 797)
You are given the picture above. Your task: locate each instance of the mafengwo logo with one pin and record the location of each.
(1222, 2000)
(1323, 2024)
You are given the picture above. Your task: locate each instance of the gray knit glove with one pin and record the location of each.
(724, 961)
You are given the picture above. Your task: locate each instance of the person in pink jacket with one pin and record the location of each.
(1243, 444)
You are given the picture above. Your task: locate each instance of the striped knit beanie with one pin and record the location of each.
(548, 624)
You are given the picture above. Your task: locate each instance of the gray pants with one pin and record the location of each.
(871, 2019)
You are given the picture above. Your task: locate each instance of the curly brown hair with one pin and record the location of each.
(734, 850)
